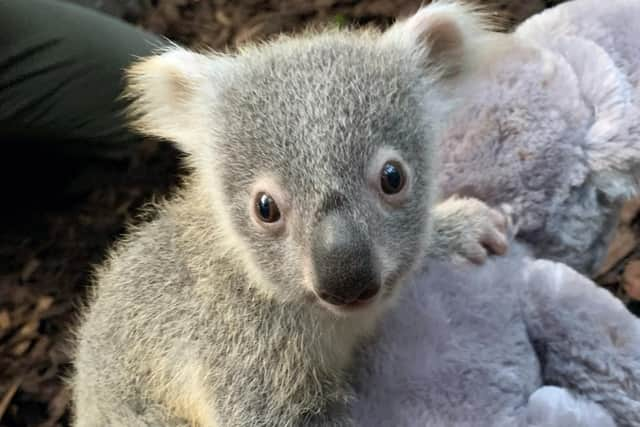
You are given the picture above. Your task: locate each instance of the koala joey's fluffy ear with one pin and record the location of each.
(171, 94)
(451, 36)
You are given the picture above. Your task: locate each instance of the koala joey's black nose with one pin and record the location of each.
(344, 262)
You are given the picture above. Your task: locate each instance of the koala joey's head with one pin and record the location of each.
(315, 152)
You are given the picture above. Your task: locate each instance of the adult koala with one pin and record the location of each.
(515, 342)
(551, 125)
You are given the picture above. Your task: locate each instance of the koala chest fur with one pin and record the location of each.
(218, 352)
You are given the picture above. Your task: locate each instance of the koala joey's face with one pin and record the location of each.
(344, 234)
(325, 163)
(315, 151)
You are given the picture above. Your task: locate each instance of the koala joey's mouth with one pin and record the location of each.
(342, 305)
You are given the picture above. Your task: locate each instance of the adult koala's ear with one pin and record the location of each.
(611, 143)
(172, 95)
(450, 36)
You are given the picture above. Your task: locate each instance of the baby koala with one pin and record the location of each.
(310, 203)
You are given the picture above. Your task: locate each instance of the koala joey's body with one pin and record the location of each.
(310, 202)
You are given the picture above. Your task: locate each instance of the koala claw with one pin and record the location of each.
(494, 238)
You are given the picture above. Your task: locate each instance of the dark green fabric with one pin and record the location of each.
(61, 69)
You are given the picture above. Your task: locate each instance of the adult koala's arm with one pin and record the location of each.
(587, 341)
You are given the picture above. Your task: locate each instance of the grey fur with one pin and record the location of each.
(475, 347)
(551, 127)
(204, 316)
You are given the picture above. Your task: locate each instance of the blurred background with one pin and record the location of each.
(62, 209)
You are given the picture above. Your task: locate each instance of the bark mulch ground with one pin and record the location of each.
(52, 232)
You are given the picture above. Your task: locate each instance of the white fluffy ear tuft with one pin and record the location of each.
(451, 35)
(170, 95)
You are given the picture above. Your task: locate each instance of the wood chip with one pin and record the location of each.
(625, 241)
(44, 303)
(8, 395)
(27, 331)
(29, 269)
(39, 349)
(60, 403)
(622, 245)
(20, 348)
(5, 321)
(223, 18)
(630, 211)
(631, 279)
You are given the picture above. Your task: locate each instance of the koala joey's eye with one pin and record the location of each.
(266, 208)
(392, 177)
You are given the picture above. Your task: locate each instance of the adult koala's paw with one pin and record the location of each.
(468, 229)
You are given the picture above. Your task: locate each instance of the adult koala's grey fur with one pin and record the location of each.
(516, 342)
(310, 203)
(551, 126)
